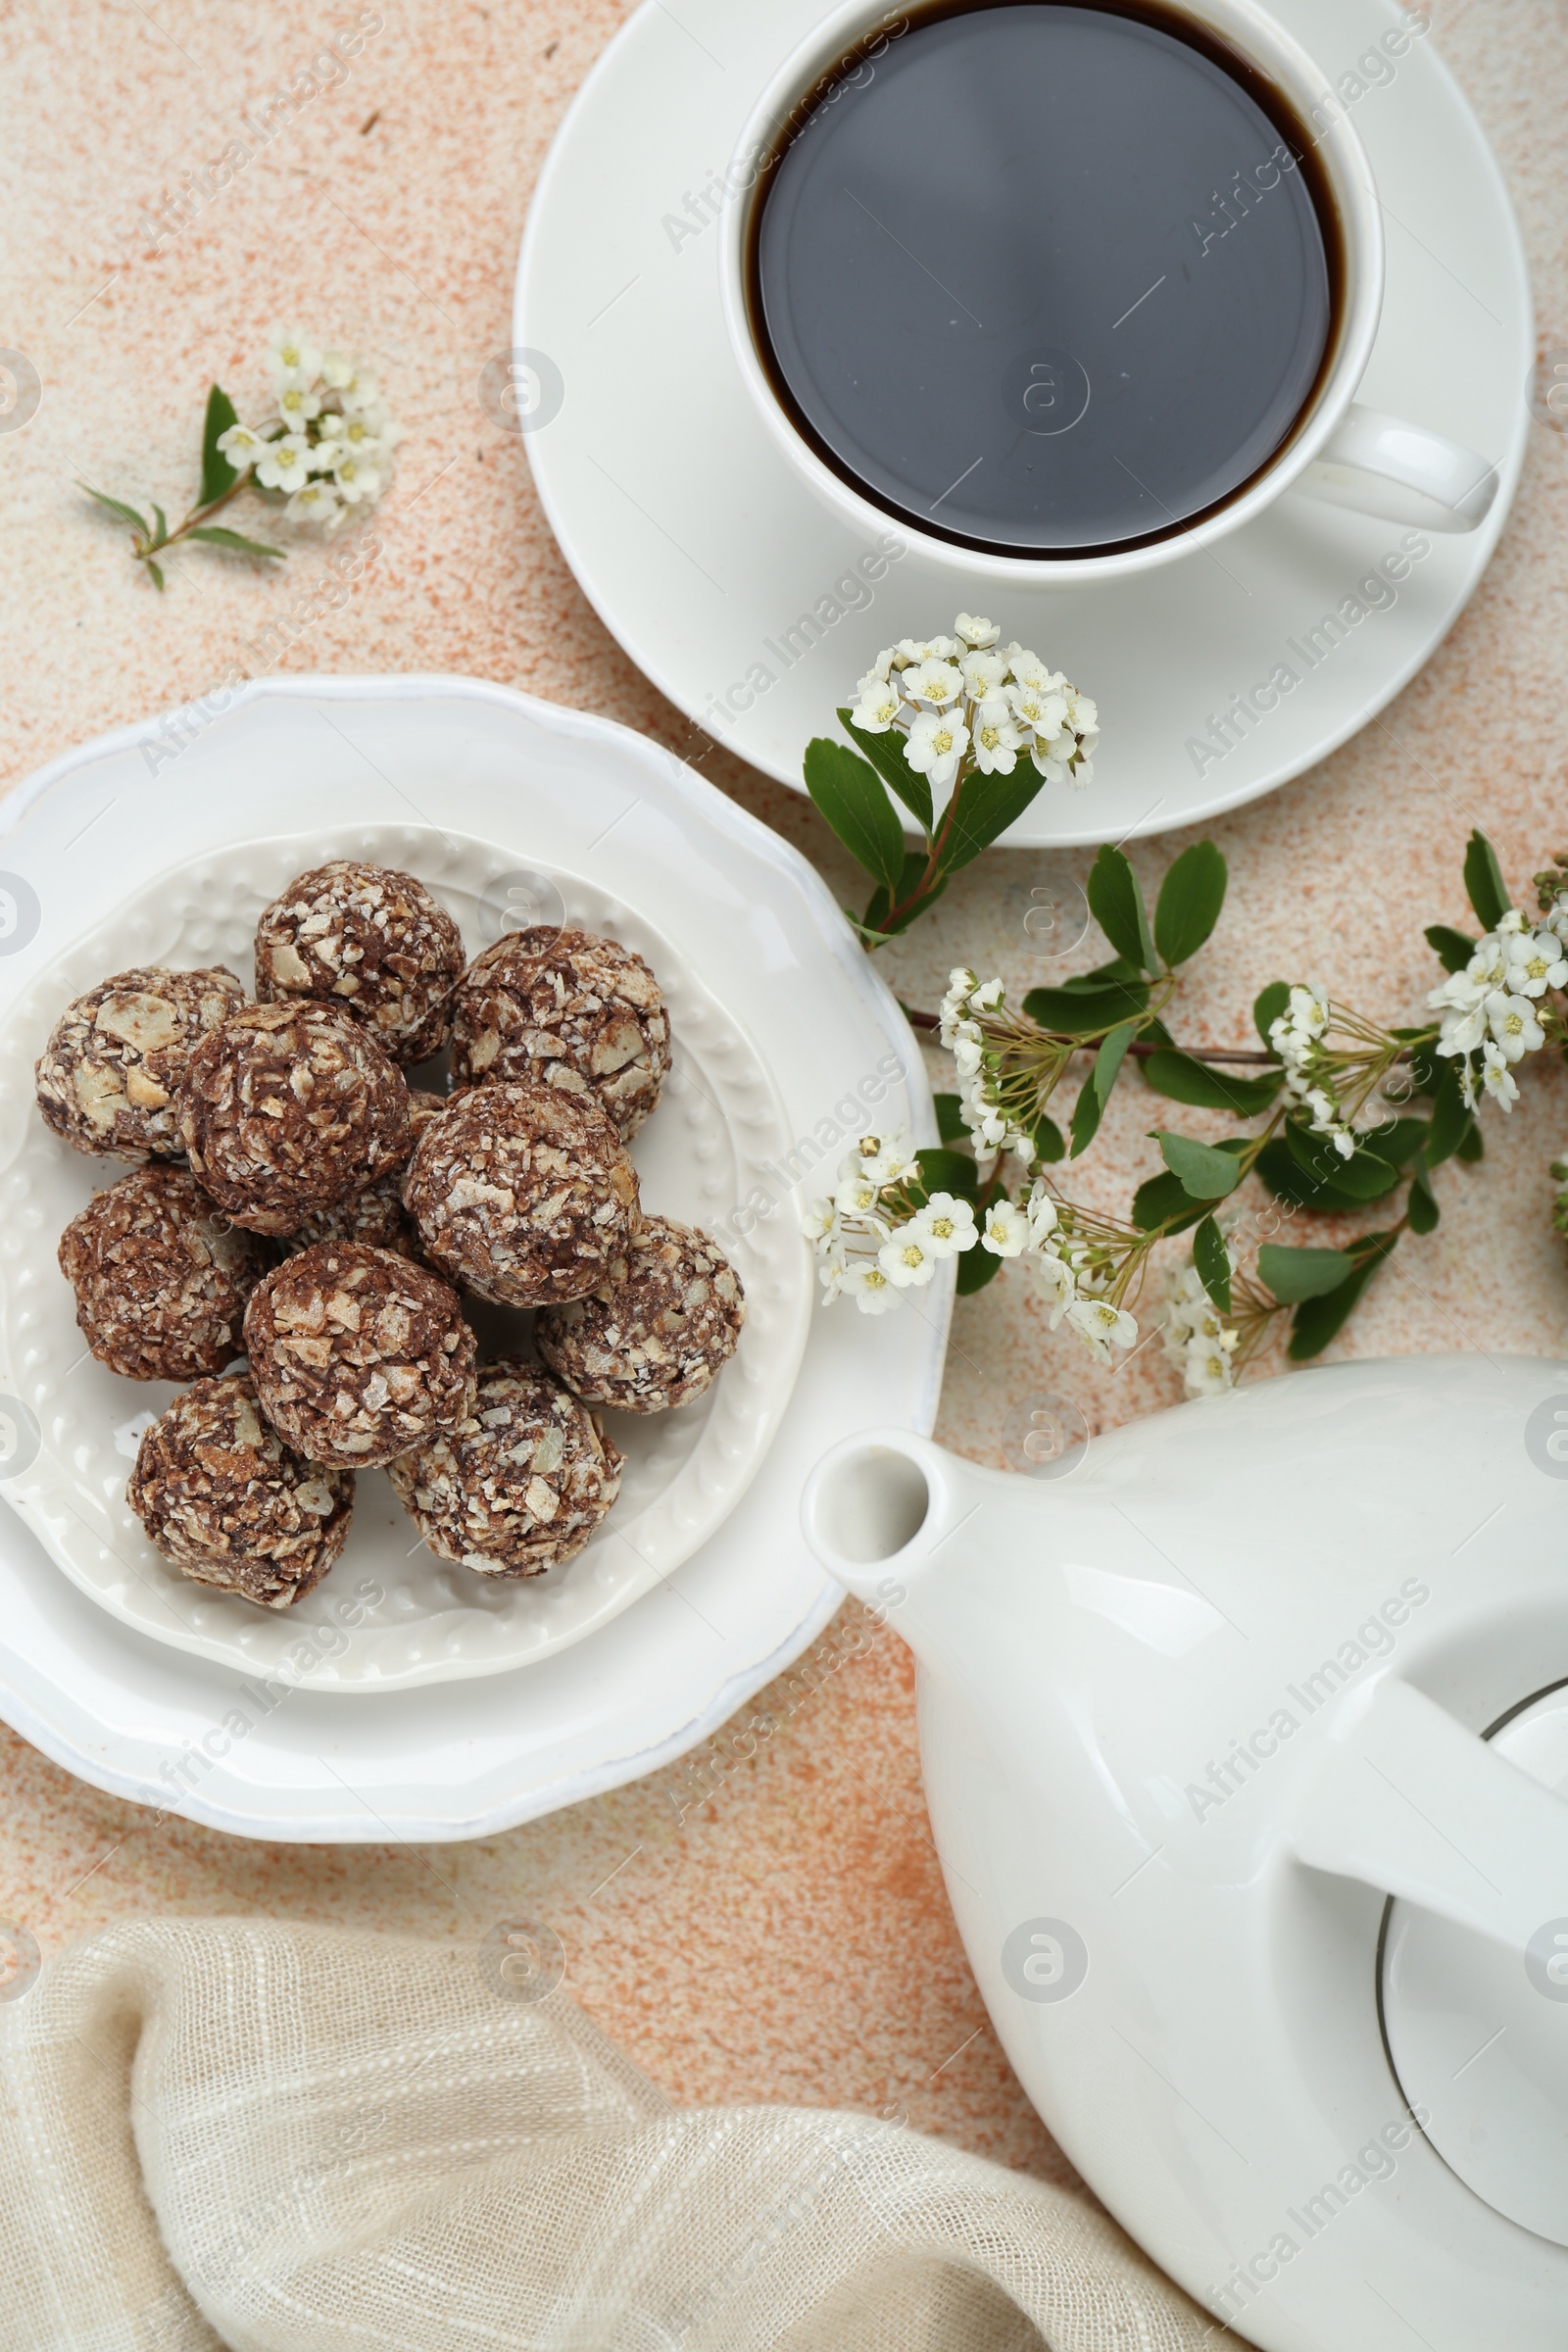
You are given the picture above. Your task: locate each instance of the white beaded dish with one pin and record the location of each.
(718, 1125)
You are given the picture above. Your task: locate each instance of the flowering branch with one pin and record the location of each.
(326, 449)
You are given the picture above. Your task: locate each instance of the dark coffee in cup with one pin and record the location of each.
(1054, 279)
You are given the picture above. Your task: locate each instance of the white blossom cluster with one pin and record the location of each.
(872, 1252)
(329, 446)
(990, 1129)
(965, 695)
(1297, 1036)
(1196, 1337)
(1490, 1015)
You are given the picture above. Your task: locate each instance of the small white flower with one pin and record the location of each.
(1037, 707)
(944, 649)
(1513, 923)
(1513, 1023)
(909, 652)
(857, 1197)
(935, 745)
(357, 479)
(883, 1159)
(1536, 962)
(974, 631)
(988, 994)
(996, 740)
(1557, 920)
(1488, 967)
(983, 674)
(819, 1220)
(937, 682)
(286, 465)
(881, 666)
(317, 501)
(1206, 1368)
(1082, 716)
(1030, 672)
(1056, 1278)
(873, 1294)
(1081, 772)
(832, 1271)
(1007, 1231)
(292, 358)
(337, 369)
(1041, 1210)
(298, 405)
(1102, 1326)
(945, 1225)
(361, 396)
(358, 433)
(878, 707)
(241, 447)
(1496, 1077)
(908, 1258)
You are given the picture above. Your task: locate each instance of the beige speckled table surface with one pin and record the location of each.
(791, 1938)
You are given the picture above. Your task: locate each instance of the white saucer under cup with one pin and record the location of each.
(754, 609)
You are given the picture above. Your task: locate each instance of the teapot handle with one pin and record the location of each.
(1410, 1801)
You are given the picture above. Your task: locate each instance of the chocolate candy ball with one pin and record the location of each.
(521, 1193)
(520, 1486)
(357, 1354)
(375, 1217)
(108, 1077)
(220, 1495)
(288, 1109)
(161, 1277)
(372, 940)
(566, 1010)
(655, 1329)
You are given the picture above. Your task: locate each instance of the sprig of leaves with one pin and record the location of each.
(219, 483)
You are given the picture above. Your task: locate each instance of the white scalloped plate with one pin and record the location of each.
(705, 1148)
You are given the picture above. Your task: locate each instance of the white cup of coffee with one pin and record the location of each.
(1066, 291)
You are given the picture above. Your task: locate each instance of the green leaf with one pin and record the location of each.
(1049, 1143)
(986, 806)
(946, 1172)
(1399, 1140)
(1118, 970)
(1165, 1201)
(1421, 1201)
(156, 573)
(215, 536)
(219, 477)
(1472, 1145)
(886, 755)
(1363, 1176)
(1184, 1079)
(1451, 948)
(949, 1119)
(116, 506)
(162, 525)
(1189, 902)
(1294, 1275)
(1318, 1320)
(1450, 1121)
(1484, 884)
(1206, 1172)
(1288, 1181)
(976, 1268)
(851, 797)
(1274, 1001)
(1080, 1012)
(1118, 906)
(1095, 1092)
(1213, 1262)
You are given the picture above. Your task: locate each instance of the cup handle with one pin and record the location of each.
(1381, 466)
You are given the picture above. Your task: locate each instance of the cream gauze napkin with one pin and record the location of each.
(284, 2139)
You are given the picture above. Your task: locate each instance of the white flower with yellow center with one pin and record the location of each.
(286, 465)
(908, 1258)
(298, 407)
(241, 447)
(936, 682)
(1056, 1278)
(1102, 1326)
(945, 1225)
(975, 632)
(819, 1220)
(1206, 1368)
(983, 674)
(1496, 1077)
(1536, 962)
(357, 479)
(857, 1197)
(881, 1158)
(319, 501)
(996, 740)
(867, 1284)
(1006, 1230)
(1513, 1024)
(292, 358)
(878, 707)
(935, 745)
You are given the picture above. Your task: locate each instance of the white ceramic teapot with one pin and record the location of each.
(1245, 1745)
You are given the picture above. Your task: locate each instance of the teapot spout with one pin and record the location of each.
(877, 1508)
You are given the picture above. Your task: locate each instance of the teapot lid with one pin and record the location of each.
(1477, 2031)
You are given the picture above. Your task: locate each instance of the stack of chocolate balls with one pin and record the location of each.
(296, 1201)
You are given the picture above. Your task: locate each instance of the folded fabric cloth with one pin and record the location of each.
(281, 2140)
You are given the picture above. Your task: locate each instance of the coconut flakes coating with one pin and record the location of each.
(656, 1330)
(375, 1217)
(522, 1193)
(288, 1109)
(160, 1276)
(521, 1486)
(357, 1354)
(566, 1010)
(371, 939)
(221, 1496)
(108, 1076)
